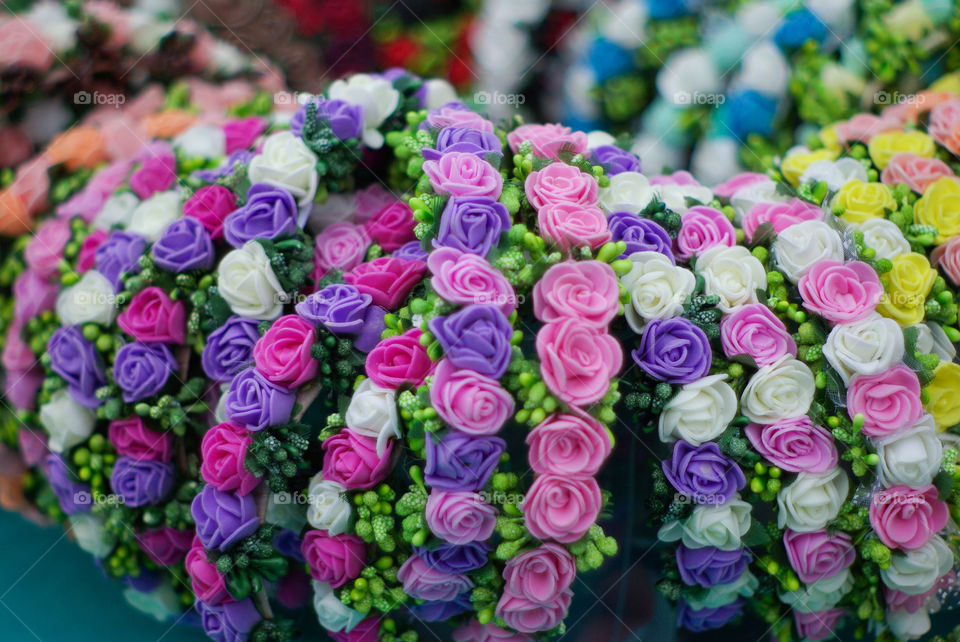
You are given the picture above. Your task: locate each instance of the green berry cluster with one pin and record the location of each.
(251, 562)
(277, 454)
(375, 520)
(377, 587)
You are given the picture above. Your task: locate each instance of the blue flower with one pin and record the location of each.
(798, 27)
(608, 59)
(748, 112)
(663, 9)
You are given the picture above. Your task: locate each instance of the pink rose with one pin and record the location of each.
(841, 292)
(680, 177)
(561, 507)
(571, 225)
(88, 202)
(755, 331)
(541, 575)
(367, 631)
(863, 127)
(23, 46)
(423, 582)
(32, 183)
(334, 559)
(795, 445)
(152, 316)
(156, 174)
(392, 226)
(469, 401)
(560, 183)
(460, 517)
(473, 631)
(944, 125)
(888, 401)
(205, 580)
(523, 614)
(779, 215)
(166, 546)
(131, 438)
(32, 295)
(463, 174)
(15, 146)
(351, 460)
(548, 140)
(210, 205)
(341, 246)
(86, 258)
(947, 258)
(387, 279)
(223, 452)
(21, 387)
(568, 444)
(463, 278)
(818, 555)
(916, 172)
(282, 354)
(583, 290)
(45, 249)
(731, 186)
(33, 446)
(16, 355)
(241, 133)
(577, 361)
(399, 361)
(817, 625)
(702, 228)
(907, 518)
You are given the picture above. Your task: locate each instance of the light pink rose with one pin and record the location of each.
(463, 278)
(947, 258)
(16, 355)
(840, 292)
(888, 401)
(863, 127)
(560, 183)
(23, 46)
(583, 290)
(818, 555)
(817, 625)
(561, 507)
(45, 249)
(906, 518)
(680, 177)
(568, 444)
(916, 172)
(944, 125)
(21, 387)
(548, 140)
(577, 361)
(341, 246)
(468, 401)
(473, 631)
(795, 445)
(463, 174)
(525, 615)
(731, 186)
(571, 225)
(541, 574)
(31, 183)
(779, 215)
(702, 228)
(755, 331)
(460, 517)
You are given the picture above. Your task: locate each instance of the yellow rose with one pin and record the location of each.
(907, 286)
(943, 400)
(828, 136)
(883, 146)
(949, 83)
(795, 163)
(940, 207)
(864, 201)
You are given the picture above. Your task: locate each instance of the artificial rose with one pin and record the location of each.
(456, 114)
(229, 348)
(839, 292)
(283, 354)
(719, 525)
(483, 144)
(942, 401)
(700, 412)
(151, 316)
(392, 226)
(702, 473)
(156, 173)
(131, 438)
(673, 350)
(334, 616)
(916, 172)
(227, 621)
(858, 201)
(702, 228)
(141, 370)
(540, 575)
(247, 283)
(753, 330)
(560, 183)
(118, 255)
(626, 192)
(256, 403)
(911, 456)
(66, 421)
(884, 237)
(457, 461)
(223, 453)
(888, 401)
(375, 95)
(152, 216)
(341, 246)
(285, 161)
(905, 625)
(780, 216)
(583, 290)
(476, 337)
(820, 595)
(472, 224)
(334, 559)
(206, 581)
(560, 507)
(614, 159)
(527, 616)
(917, 571)
(906, 518)
(463, 174)
(709, 566)
(707, 619)
(939, 207)
(338, 307)
(460, 517)
(185, 245)
(462, 278)
(388, 280)
(577, 361)
(89, 300)
(818, 555)
(572, 225)
(422, 582)
(352, 461)
(328, 509)
(640, 235)
(399, 361)
(811, 501)
(45, 249)
(907, 285)
(76, 361)
(142, 482)
(568, 444)
(372, 412)
(657, 288)
(866, 347)
(794, 444)
(548, 140)
(269, 212)
(799, 247)
(733, 274)
(778, 391)
(165, 546)
(468, 401)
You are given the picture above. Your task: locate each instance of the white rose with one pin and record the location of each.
(915, 572)
(799, 247)
(700, 412)
(908, 626)
(685, 73)
(733, 274)
(721, 525)
(373, 413)
(820, 595)
(161, 603)
(764, 69)
(884, 237)
(599, 138)
(116, 210)
(286, 162)
(377, 97)
(714, 160)
(67, 422)
(935, 341)
(811, 501)
(866, 347)
(202, 141)
(438, 92)
(911, 456)
(329, 509)
(58, 29)
(333, 614)
(675, 196)
(627, 192)
(656, 154)
(89, 300)
(722, 594)
(764, 191)
(90, 534)
(835, 174)
(248, 284)
(152, 216)
(778, 391)
(657, 288)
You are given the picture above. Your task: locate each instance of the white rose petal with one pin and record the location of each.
(811, 501)
(116, 210)
(700, 412)
(911, 456)
(599, 138)
(657, 288)
(915, 572)
(675, 196)
(438, 92)
(329, 509)
(835, 174)
(91, 536)
(373, 413)
(799, 247)
(58, 29)
(152, 216)
(866, 347)
(781, 390)
(908, 626)
(764, 191)
(820, 595)
(286, 162)
(89, 300)
(66, 421)
(333, 614)
(720, 525)
(377, 97)
(202, 141)
(248, 284)
(884, 237)
(627, 192)
(733, 274)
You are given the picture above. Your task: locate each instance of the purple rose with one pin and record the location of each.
(142, 369)
(268, 213)
(455, 558)
(346, 119)
(425, 583)
(674, 350)
(640, 234)
(257, 403)
(77, 361)
(242, 156)
(615, 160)
(118, 254)
(229, 348)
(476, 338)
(472, 224)
(141, 483)
(710, 566)
(228, 622)
(184, 245)
(458, 461)
(468, 140)
(707, 619)
(440, 611)
(223, 518)
(411, 251)
(703, 473)
(339, 307)
(74, 496)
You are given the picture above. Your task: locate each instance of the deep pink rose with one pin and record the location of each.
(818, 555)
(241, 133)
(548, 140)
(523, 614)
(166, 546)
(334, 559)
(817, 625)
(568, 444)
(392, 226)
(732, 185)
(906, 518)
(561, 507)
(577, 361)
(153, 317)
(587, 291)
(540, 575)
(351, 460)
(464, 278)
(755, 331)
(282, 354)
(156, 174)
(468, 401)
(780, 215)
(795, 445)
(399, 361)
(367, 631)
(473, 631)
(423, 582)
(223, 451)
(702, 228)
(387, 279)
(916, 172)
(131, 438)
(571, 225)
(210, 205)
(207, 582)
(45, 249)
(561, 183)
(88, 251)
(341, 246)
(32, 295)
(460, 517)
(947, 258)
(463, 174)
(863, 127)
(841, 292)
(889, 401)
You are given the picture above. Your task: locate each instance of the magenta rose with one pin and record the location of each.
(223, 451)
(795, 445)
(131, 438)
(818, 555)
(155, 174)
(755, 331)
(560, 183)
(86, 258)
(210, 205)
(423, 582)
(540, 575)
(351, 460)
(392, 226)
(468, 401)
(463, 174)
(153, 317)
(587, 291)
(334, 559)
(577, 360)
(45, 249)
(388, 279)
(571, 225)
(888, 401)
(399, 361)
(817, 625)
(568, 444)
(916, 172)
(282, 354)
(779, 215)
(547, 141)
(340, 246)
(240, 133)
(841, 292)
(561, 507)
(527, 616)
(702, 228)
(464, 278)
(460, 517)
(906, 518)
(165, 546)
(207, 582)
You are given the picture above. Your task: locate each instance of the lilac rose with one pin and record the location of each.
(141, 483)
(142, 369)
(118, 254)
(184, 245)
(703, 473)
(455, 558)
(615, 160)
(76, 360)
(468, 140)
(345, 119)
(74, 496)
(640, 234)
(674, 350)
(230, 621)
(458, 461)
(339, 307)
(710, 566)
(411, 251)
(476, 338)
(472, 224)
(229, 348)
(223, 518)
(257, 403)
(268, 213)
